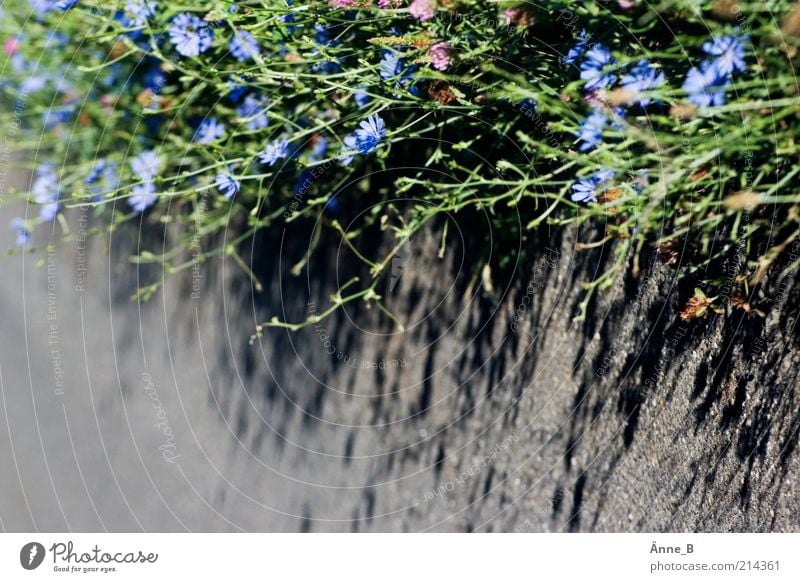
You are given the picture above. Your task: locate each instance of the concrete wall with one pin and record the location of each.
(493, 411)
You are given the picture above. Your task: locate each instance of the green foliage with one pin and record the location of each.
(493, 131)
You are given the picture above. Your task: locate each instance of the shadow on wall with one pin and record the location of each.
(493, 410)
(633, 402)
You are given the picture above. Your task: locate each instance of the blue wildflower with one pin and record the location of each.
(327, 67)
(604, 175)
(394, 68)
(369, 134)
(190, 35)
(23, 234)
(586, 189)
(64, 5)
(46, 191)
(228, 185)
(254, 112)
(237, 90)
(49, 210)
(243, 46)
(319, 148)
(146, 165)
(705, 85)
(58, 115)
(97, 171)
(110, 177)
(349, 149)
(331, 206)
(112, 75)
(729, 53)
(321, 34)
(391, 65)
(42, 6)
(139, 12)
(577, 50)
(361, 98)
(274, 151)
(142, 196)
(288, 20)
(593, 68)
(210, 130)
(154, 77)
(102, 178)
(591, 133)
(33, 83)
(643, 77)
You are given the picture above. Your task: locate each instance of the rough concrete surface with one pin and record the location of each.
(493, 411)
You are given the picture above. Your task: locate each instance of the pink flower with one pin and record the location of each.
(344, 3)
(422, 10)
(11, 46)
(511, 15)
(440, 55)
(385, 4)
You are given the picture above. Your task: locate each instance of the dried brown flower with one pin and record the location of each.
(698, 306)
(668, 254)
(441, 92)
(740, 302)
(610, 195)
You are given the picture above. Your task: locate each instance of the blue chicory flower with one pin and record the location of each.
(729, 53)
(643, 77)
(331, 206)
(97, 171)
(705, 85)
(146, 165)
(64, 5)
(576, 51)
(103, 178)
(254, 112)
(591, 131)
(237, 90)
(319, 148)
(593, 68)
(395, 68)
(369, 134)
(361, 97)
(349, 149)
(23, 234)
(210, 130)
(42, 6)
(142, 196)
(274, 151)
(228, 185)
(190, 35)
(139, 12)
(243, 46)
(586, 189)
(46, 191)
